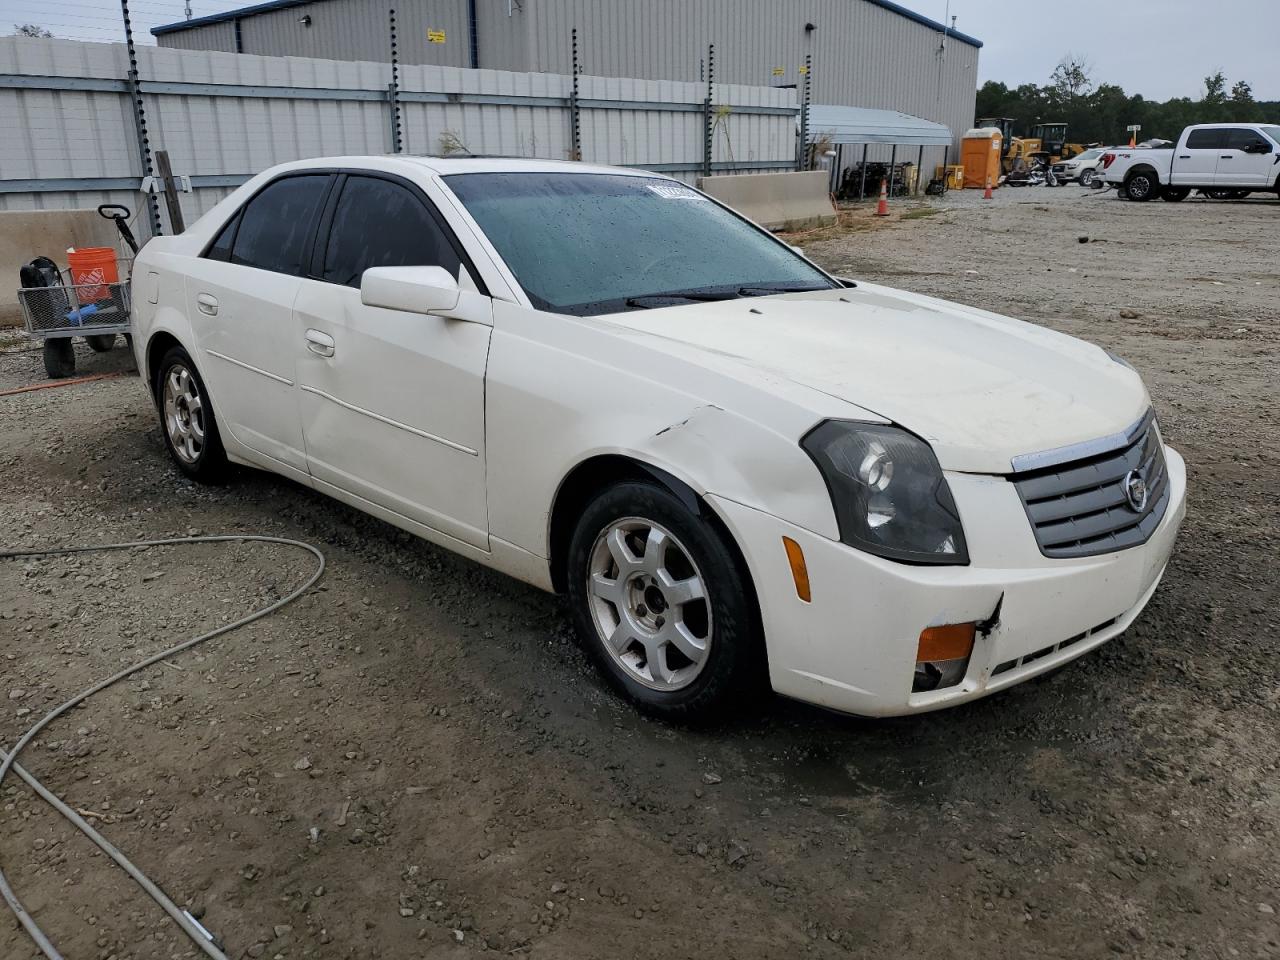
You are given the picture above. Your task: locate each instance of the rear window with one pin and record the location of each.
(1210, 139)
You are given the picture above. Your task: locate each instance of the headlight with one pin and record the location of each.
(888, 492)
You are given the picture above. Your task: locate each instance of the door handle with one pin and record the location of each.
(207, 304)
(1184, 156)
(320, 343)
(1225, 156)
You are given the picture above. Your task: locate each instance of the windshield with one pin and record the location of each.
(1273, 133)
(590, 243)
(1090, 155)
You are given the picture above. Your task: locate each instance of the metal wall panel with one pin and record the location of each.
(228, 116)
(863, 54)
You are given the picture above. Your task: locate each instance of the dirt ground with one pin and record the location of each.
(415, 760)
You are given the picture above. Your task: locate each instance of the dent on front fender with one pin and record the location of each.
(726, 455)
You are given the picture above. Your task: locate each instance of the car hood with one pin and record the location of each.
(980, 388)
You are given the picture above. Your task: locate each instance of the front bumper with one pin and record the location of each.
(853, 647)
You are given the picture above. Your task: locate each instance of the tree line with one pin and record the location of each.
(1100, 113)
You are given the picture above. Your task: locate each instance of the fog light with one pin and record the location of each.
(942, 656)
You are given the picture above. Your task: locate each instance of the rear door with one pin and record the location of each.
(1246, 160)
(392, 403)
(240, 297)
(1196, 161)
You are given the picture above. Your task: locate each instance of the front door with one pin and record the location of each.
(392, 403)
(240, 300)
(1243, 162)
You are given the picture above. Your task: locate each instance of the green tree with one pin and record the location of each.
(30, 30)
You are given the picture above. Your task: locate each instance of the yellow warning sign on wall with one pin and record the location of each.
(435, 36)
(779, 71)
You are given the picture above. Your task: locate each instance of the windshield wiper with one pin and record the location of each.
(695, 295)
(763, 290)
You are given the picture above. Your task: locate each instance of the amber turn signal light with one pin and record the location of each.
(954, 641)
(799, 571)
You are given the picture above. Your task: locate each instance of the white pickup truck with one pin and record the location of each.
(1242, 157)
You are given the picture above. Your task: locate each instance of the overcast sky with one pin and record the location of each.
(1159, 48)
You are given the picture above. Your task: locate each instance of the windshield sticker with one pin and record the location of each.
(673, 191)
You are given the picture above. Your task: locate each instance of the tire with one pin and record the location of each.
(1086, 178)
(101, 342)
(1175, 194)
(620, 586)
(1141, 186)
(59, 358)
(187, 421)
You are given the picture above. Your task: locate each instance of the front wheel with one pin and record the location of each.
(1142, 186)
(662, 603)
(59, 358)
(1086, 178)
(186, 419)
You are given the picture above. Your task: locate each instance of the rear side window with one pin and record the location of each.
(378, 223)
(220, 249)
(276, 224)
(1210, 139)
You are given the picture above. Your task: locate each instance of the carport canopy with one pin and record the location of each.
(865, 125)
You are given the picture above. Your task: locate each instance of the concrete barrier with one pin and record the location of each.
(779, 201)
(26, 234)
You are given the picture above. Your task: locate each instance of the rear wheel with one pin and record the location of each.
(186, 419)
(101, 342)
(1142, 185)
(1175, 194)
(661, 602)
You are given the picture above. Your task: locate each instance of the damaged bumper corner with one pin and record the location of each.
(853, 646)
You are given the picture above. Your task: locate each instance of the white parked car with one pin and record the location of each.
(1080, 168)
(602, 382)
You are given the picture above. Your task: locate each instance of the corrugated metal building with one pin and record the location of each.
(865, 53)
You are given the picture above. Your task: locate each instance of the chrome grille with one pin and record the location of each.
(1082, 508)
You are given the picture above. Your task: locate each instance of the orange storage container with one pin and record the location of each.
(980, 155)
(91, 267)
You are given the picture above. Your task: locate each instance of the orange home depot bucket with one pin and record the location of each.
(91, 267)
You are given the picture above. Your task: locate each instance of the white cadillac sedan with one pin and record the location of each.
(739, 468)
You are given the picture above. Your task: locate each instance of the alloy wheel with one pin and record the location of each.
(184, 413)
(649, 603)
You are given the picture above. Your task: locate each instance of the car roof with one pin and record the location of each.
(446, 166)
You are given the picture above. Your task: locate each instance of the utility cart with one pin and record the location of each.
(86, 300)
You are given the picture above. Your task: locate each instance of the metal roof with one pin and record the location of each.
(285, 4)
(236, 14)
(865, 125)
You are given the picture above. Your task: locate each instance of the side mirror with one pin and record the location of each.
(1258, 147)
(411, 289)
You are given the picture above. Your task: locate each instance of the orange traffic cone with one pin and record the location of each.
(882, 208)
(986, 194)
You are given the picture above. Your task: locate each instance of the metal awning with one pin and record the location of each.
(864, 125)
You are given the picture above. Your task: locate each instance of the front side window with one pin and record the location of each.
(589, 244)
(378, 223)
(1210, 139)
(277, 223)
(1242, 138)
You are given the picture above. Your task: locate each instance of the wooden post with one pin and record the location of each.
(176, 224)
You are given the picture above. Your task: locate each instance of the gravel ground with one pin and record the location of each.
(416, 761)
